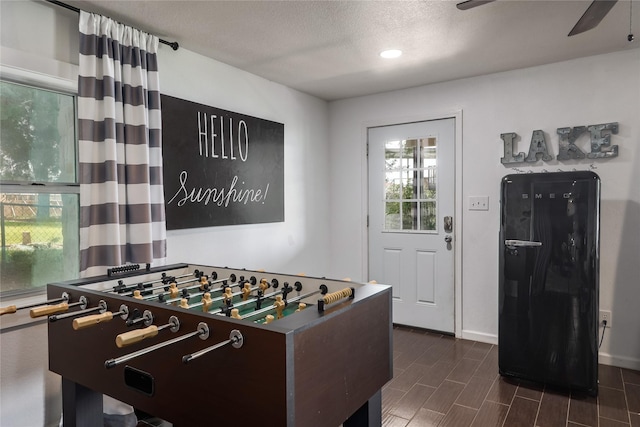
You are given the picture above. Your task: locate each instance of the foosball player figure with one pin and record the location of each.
(279, 305)
(301, 307)
(184, 303)
(227, 295)
(206, 302)
(264, 285)
(173, 290)
(246, 291)
(204, 283)
(235, 313)
(167, 279)
(259, 299)
(120, 287)
(137, 294)
(227, 305)
(286, 290)
(268, 319)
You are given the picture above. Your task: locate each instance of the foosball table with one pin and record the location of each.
(198, 345)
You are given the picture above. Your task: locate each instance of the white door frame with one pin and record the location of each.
(457, 225)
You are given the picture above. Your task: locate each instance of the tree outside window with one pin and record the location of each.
(39, 197)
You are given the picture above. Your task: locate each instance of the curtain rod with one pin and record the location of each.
(174, 45)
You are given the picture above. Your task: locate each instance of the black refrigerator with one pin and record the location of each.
(548, 287)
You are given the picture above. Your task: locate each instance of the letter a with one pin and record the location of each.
(538, 146)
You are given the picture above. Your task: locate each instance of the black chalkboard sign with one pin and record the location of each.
(220, 167)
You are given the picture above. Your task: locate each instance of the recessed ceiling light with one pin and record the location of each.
(391, 53)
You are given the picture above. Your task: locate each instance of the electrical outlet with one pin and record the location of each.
(479, 203)
(604, 315)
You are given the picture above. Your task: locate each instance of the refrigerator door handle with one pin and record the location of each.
(511, 244)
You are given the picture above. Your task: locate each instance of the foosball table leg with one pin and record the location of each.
(80, 406)
(368, 415)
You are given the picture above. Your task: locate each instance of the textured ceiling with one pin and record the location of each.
(330, 48)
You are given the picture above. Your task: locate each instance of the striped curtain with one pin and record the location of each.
(122, 217)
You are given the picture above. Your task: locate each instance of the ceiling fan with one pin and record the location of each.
(595, 13)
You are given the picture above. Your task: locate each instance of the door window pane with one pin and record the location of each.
(392, 155)
(393, 186)
(428, 216)
(411, 185)
(392, 216)
(409, 215)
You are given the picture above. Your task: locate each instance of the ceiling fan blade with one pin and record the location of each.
(468, 4)
(595, 13)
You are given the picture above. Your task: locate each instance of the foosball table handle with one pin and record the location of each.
(87, 321)
(136, 335)
(8, 309)
(48, 310)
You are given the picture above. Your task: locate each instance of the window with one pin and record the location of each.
(39, 191)
(410, 185)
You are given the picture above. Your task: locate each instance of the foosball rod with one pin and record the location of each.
(271, 307)
(202, 331)
(101, 307)
(13, 308)
(163, 279)
(164, 286)
(153, 296)
(92, 320)
(137, 335)
(249, 301)
(58, 308)
(235, 339)
(220, 310)
(221, 298)
(263, 285)
(198, 294)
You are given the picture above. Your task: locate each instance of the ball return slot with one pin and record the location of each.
(202, 332)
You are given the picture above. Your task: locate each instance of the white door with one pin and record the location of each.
(411, 208)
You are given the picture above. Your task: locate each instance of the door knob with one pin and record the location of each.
(448, 239)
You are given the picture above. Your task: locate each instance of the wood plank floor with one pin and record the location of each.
(442, 381)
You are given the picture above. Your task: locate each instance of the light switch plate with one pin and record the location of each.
(479, 203)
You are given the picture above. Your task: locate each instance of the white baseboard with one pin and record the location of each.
(479, 336)
(619, 361)
(603, 358)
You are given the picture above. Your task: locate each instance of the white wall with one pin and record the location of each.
(324, 187)
(29, 394)
(585, 91)
(300, 243)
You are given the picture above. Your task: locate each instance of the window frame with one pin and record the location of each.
(64, 87)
